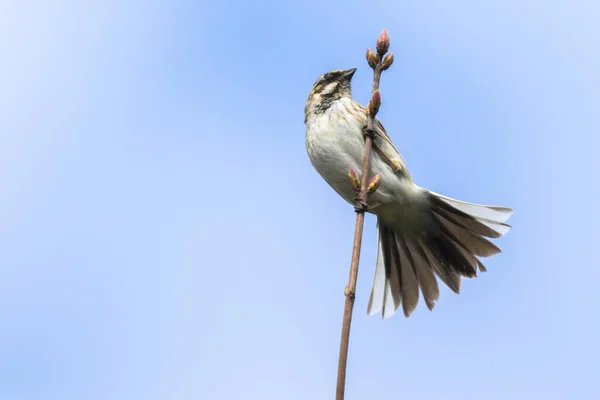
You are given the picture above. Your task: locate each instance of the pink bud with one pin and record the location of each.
(371, 59)
(374, 184)
(354, 179)
(387, 61)
(376, 98)
(374, 104)
(383, 43)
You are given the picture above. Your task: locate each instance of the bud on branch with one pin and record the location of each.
(374, 104)
(383, 43)
(371, 59)
(387, 61)
(374, 184)
(353, 176)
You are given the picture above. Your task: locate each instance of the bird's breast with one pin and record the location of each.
(335, 144)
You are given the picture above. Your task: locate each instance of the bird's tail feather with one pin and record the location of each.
(407, 265)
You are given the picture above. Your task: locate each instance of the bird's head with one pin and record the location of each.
(329, 87)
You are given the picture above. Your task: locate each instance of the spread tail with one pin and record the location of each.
(408, 264)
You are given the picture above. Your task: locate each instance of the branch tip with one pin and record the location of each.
(383, 43)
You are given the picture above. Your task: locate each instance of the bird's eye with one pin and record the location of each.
(327, 76)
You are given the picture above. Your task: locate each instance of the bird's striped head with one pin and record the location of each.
(329, 87)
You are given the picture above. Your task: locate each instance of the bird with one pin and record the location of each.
(422, 236)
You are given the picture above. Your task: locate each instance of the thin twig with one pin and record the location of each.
(376, 62)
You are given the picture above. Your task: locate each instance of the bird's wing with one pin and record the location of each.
(381, 132)
(384, 146)
(385, 137)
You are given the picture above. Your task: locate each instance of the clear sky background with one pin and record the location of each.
(164, 236)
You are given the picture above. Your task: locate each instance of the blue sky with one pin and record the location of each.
(163, 235)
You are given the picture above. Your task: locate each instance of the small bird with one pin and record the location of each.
(421, 234)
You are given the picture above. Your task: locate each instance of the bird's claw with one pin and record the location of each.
(368, 132)
(396, 166)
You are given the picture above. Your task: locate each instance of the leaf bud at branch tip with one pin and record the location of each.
(387, 61)
(371, 59)
(383, 43)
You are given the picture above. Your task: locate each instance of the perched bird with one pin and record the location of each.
(421, 234)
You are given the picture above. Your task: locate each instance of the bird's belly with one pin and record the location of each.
(336, 150)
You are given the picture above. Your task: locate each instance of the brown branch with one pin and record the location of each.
(379, 64)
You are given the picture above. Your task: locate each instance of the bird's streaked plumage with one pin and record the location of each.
(422, 235)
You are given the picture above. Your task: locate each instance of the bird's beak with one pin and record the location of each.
(349, 73)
